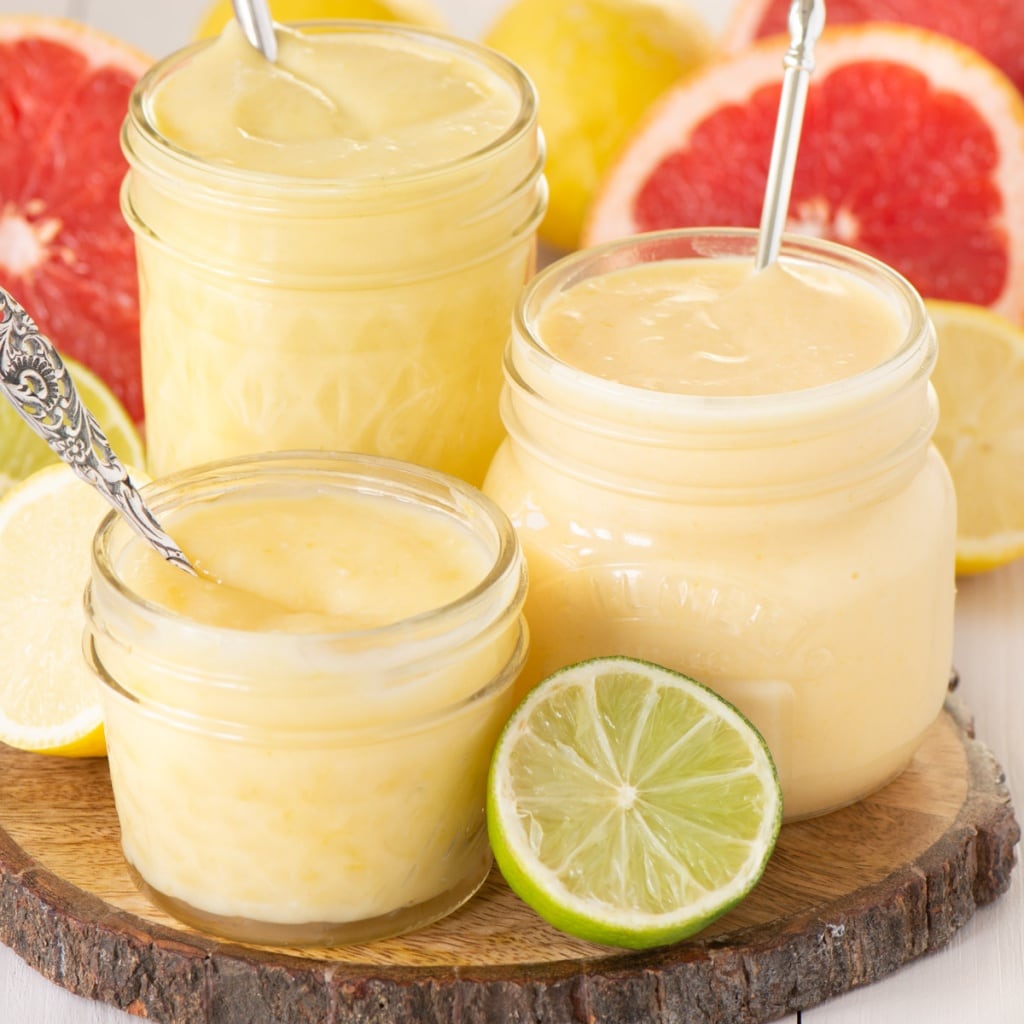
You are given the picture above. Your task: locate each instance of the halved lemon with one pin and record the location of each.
(49, 701)
(979, 378)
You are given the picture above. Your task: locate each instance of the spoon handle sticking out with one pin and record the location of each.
(806, 22)
(257, 26)
(35, 381)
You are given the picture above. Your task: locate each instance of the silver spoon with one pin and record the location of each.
(257, 26)
(34, 379)
(806, 22)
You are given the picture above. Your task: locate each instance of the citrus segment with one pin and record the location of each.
(995, 29)
(65, 250)
(597, 66)
(912, 151)
(979, 379)
(48, 699)
(629, 805)
(416, 12)
(22, 451)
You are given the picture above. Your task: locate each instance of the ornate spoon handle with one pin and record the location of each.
(34, 379)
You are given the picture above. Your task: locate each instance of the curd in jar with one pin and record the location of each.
(730, 473)
(330, 246)
(299, 747)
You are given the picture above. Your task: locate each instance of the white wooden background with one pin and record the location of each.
(979, 977)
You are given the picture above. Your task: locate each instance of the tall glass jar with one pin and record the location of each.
(363, 313)
(306, 787)
(794, 551)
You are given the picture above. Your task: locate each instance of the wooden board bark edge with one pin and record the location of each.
(88, 947)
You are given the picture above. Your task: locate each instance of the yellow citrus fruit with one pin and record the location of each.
(49, 700)
(597, 66)
(979, 379)
(414, 12)
(629, 805)
(22, 451)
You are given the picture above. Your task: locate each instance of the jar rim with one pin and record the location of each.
(268, 183)
(528, 362)
(356, 473)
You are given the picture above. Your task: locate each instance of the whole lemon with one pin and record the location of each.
(597, 66)
(415, 12)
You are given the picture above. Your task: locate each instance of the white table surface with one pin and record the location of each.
(979, 977)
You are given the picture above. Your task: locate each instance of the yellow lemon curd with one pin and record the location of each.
(330, 246)
(729, 473)
(299, 741)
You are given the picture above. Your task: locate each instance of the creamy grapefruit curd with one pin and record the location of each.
(330, 246)
(299, 741)
(730, 473)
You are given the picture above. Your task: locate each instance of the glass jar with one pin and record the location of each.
(306, 787)
(365, 314)
(793, 551)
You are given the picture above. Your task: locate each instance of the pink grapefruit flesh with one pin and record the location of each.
(65, 251)
(912, 151)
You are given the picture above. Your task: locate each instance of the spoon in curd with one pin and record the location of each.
(257, 26)
(36, 382)
(806, 22)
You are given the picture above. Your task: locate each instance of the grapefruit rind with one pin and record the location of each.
(101, 48)
(995, 30)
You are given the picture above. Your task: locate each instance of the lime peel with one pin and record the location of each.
(629, 805)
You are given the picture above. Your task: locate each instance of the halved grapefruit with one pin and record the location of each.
(65, 252)
(994, 28)
(912, 151)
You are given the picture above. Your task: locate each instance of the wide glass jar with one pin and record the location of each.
(298, 749)
(792, 550)
(338, 280)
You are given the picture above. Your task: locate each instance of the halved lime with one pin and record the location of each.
(629, 805)
(22, 451)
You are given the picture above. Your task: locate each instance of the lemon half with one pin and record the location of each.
(979, 379)
(49, 700)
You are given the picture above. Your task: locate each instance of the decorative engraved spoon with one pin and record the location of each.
(806, 21)
(257, 26)
(36, 382)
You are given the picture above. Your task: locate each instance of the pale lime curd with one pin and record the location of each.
(333, 106)
(298, 752)
(717, 327)
(330, 246)
(729, 473)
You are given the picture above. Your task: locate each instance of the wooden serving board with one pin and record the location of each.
(846, 899)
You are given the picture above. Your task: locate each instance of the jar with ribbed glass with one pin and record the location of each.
(330, 246)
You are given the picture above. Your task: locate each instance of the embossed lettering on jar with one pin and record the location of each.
(769, 520)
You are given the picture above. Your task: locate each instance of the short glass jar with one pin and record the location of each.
(794, 551)
(364, 313)
(307, 787)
